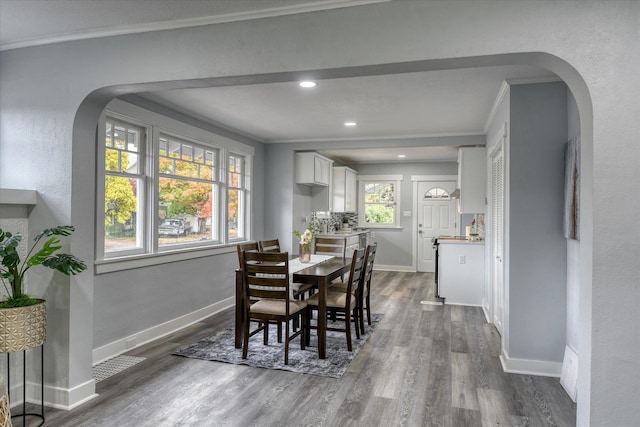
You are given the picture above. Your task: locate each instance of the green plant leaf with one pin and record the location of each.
(49, 247)
(65, 263)
(9, 254)
(61, 230)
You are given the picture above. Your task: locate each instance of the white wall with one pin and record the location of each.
(47, 135)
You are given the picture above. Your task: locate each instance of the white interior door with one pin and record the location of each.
(437, 216)
(497, 237)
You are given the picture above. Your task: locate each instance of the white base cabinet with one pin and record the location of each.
(461, 272)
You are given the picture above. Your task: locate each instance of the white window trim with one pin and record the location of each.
(397, 180)
(156, 124)
(246, 188)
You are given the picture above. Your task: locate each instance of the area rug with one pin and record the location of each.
(221, 348)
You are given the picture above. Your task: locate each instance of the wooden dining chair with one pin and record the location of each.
(365, 298)
(363, 291)
(248, 246)
(266, 279)
(272, 245)
(335, 246)
(342, 302)
(330, 246)
(254, 247)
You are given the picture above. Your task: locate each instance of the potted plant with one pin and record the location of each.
(23, 318)
(345, 222)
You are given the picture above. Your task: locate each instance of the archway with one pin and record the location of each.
(93, 105)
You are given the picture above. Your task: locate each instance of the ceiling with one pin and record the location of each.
(385, 107)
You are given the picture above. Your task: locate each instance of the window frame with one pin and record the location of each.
(363, 180)
(100, 192)
(242, 189)
(217, 193)
(154, 125)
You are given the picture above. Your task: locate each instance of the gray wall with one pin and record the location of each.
(538, 251)
(127, 302)
(52, 95)
(287, 203)
(395, 247)
(573, 247)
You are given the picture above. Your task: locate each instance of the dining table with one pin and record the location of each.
(318, 274)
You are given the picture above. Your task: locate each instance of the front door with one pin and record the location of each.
(437, 216)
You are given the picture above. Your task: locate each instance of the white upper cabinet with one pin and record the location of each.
(472, 177)
(345, 187)
(313, 169)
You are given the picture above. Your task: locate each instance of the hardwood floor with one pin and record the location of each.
(425, 365)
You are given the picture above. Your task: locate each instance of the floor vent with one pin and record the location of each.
(117, 364)
(431, 303)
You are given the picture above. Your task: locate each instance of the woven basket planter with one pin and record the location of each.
(22, 328)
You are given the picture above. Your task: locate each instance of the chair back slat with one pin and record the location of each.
(272, 245)
(369, 260)
(266, 275)
(357, 264)
(330, 246)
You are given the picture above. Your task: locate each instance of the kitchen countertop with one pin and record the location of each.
(351, 233)
(458, 240)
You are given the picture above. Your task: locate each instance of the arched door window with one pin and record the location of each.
(436, 193)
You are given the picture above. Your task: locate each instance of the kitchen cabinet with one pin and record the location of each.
(461, 278)
(345, 189)
(321, 198)
(313, 169)
(472, 176)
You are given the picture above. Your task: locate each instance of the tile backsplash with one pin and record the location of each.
(333, 220)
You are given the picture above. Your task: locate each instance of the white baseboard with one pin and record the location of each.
(65, 399)
(55, 397)
(404, 268)
(123, 345)
(485, 310)
(462, 304)
(530, 367)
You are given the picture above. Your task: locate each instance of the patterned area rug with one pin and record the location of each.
(220, 348)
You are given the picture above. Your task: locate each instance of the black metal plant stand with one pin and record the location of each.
(24, 414)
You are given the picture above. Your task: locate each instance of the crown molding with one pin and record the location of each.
(189, 22)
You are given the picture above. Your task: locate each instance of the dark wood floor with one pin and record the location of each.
(424, 365)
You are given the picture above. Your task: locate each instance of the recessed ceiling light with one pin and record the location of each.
(402, 156)
(308, 84)
(350, 123)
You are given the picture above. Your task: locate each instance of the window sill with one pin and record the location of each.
(147, 260)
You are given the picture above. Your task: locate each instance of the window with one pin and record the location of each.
(436, 193)
(123, 187)
(167, 192)
(236, 198)
(379, 201)
(187, 192)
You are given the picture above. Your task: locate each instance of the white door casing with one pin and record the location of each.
(496, 204)
(436, 217)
